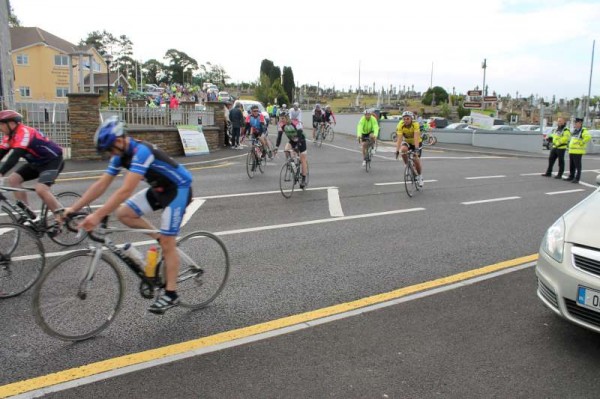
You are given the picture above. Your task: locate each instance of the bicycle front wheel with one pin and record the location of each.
(203, 269)
(319, 139)
(330, 134)
(260, 160)
(287, 179)
(22, 259)
(60, 234)
(410, 179)
(251, 163)
(75, 299)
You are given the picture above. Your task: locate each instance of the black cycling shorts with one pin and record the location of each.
(47, 172)
(365, 137)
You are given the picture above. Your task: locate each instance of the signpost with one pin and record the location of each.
(490, 99)
(472, 104)
(475, 93)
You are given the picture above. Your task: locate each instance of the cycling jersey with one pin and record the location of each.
(292, 133)
(296, 114)
(255, 122)
(317, 115)
(38, 148)
(407, 133)
(328, 116)
(160, 171)
(367, 126)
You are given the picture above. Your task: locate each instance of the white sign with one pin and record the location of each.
(193, 140)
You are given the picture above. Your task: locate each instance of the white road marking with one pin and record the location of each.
(335, 206)
(565, 192)
(485, 177)
(258, 193)
(191, 209)
(490, 200)
(531, 174)
(587, 184)
(399, 182)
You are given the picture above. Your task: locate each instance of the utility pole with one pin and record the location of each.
(484, 66)
(431, 79)
(587, 102)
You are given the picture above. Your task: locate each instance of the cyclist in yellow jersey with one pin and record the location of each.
(367, 130)
(409, 137)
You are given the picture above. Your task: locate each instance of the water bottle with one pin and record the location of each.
(294, 166)
(27, 210)
(133, 254)
(151, 262)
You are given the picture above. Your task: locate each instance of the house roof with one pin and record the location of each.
(22, 37)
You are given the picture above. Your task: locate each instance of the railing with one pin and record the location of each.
(161, 116)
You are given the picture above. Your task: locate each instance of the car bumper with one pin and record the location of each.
(558, 284)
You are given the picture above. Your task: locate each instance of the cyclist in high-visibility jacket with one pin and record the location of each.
(409, 137)
(367, 130)
(560, 140)
(579, 139)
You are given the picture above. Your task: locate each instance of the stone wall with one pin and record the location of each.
(84, 118)
(167, 137)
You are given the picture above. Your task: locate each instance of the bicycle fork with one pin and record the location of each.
(91, 271)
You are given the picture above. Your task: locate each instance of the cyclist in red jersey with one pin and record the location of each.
(44, 158)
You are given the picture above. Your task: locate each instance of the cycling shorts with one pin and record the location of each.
(47, 172)
(173, 202)
(365, 137)
(299, 145)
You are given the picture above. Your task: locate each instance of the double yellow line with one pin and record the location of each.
(228, 336)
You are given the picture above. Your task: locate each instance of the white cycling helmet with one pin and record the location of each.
(409, 114)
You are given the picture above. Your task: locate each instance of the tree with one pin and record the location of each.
(154, 70)
(178, 62)
(13, 21)
(214, 73)
(275, 75)
(262, 92)
(266, 66)
(289, 85)
(441, 96)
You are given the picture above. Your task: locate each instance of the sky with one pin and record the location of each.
(531, 47)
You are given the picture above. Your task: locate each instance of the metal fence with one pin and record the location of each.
(50, 118)
(161, 116)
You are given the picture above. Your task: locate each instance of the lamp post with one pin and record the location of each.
(108, 58)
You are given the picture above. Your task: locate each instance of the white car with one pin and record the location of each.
(528, 128)
(505, 128)
(568, 266)
(249, 103)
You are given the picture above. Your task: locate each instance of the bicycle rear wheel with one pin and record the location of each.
(287, 179)
(203, 269)
(60, 234)
(22, 259)
(251, 163)
(69, 306)
(410, 179)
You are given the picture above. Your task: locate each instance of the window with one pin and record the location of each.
(62, 91)
(96, 66)
(61, 60)
(22, 59)
(25, 91)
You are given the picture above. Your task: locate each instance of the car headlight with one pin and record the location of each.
(554, 240)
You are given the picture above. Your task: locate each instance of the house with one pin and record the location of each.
(47, 67)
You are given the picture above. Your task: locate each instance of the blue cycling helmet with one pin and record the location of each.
(107, 133)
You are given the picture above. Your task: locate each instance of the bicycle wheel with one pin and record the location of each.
(287, 179)
(251, 163)
(432, 140)
(319, 139)
(60, 234)
(368, 159)
(410, 179)
(260, 161)
(72, 307)
(330, 134)
(22, 259)
(13, 218)
(203, 270)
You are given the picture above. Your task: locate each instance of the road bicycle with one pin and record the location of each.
(410, 174)
(22, 259)
(324, 132)
(428, 138)
(291, 173)
(255, 159)
(81, 293)
(44, 224)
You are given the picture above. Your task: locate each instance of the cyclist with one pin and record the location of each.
(328, 116)
(367, 132)
(409, 137)
(296, 115)
(44, 158)
(297, 141)
(317, 117)
(170, 189)
(255, 124)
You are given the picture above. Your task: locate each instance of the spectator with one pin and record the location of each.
(174, 103)
(236, 117)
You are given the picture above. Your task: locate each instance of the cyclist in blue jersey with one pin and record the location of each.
(170, 189)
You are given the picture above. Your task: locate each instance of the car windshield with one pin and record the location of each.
(248, 106)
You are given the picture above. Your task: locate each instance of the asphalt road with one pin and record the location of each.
(352, 240)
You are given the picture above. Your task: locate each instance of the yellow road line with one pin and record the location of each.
(227, 336)
(120, 175)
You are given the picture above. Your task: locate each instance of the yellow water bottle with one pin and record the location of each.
(151, 262)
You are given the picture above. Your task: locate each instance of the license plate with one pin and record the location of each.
(589, 298)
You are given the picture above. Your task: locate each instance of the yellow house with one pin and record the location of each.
(47, 67)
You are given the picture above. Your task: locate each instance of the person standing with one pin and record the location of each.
(560, 140)
(579, 139)
(236, 116)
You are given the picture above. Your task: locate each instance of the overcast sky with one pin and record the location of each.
(539, 47)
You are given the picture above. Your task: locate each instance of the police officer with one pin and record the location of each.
(560, 140)
(579, 139)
